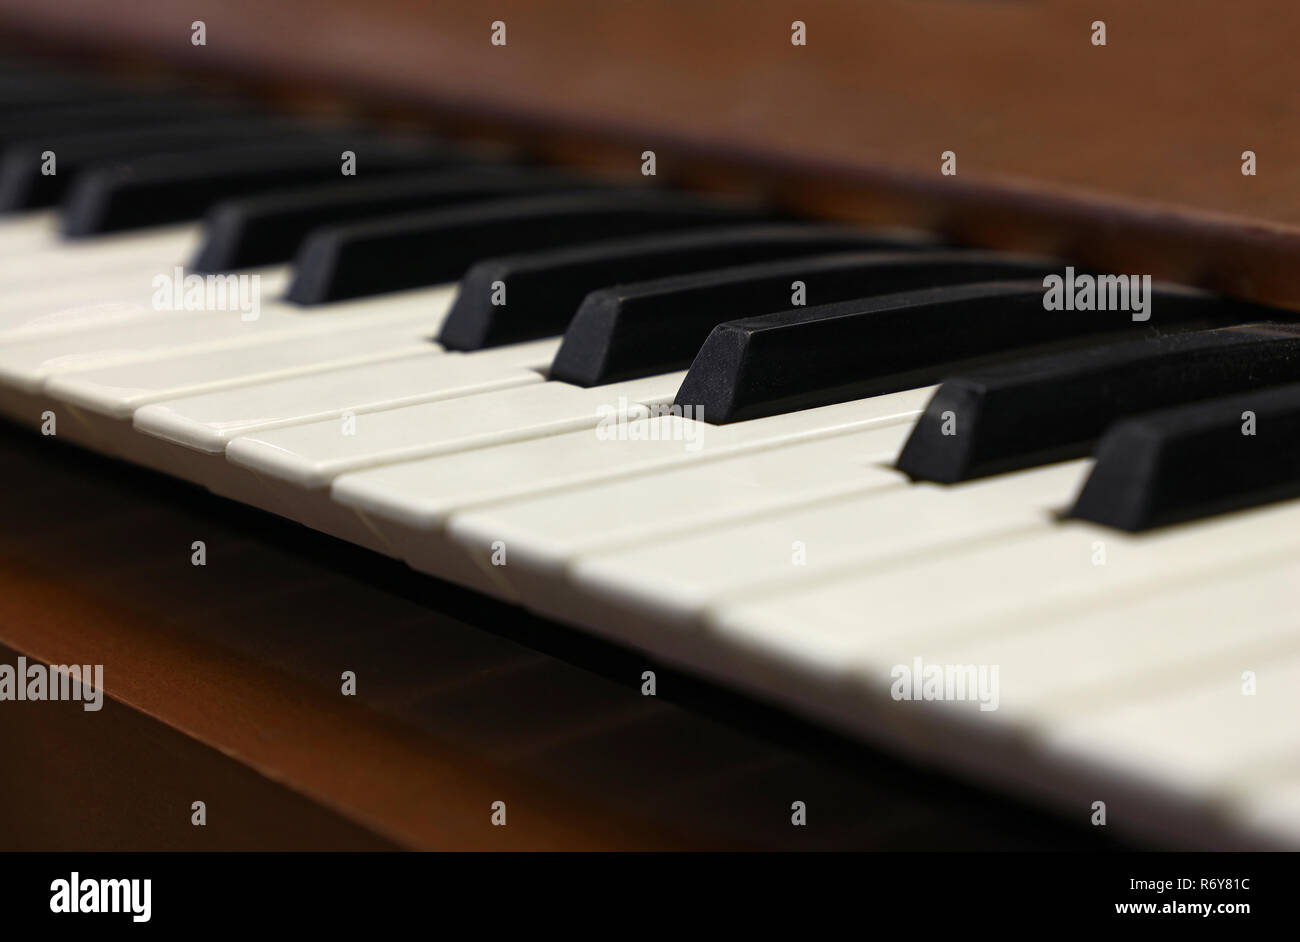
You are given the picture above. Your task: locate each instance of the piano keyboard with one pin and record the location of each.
(804, 460)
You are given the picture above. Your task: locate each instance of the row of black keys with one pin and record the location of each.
(1193, 406)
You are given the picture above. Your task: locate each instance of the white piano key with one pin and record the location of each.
(50, 274)
(828, 648)
(1272, 809)
(70, 310)
(311, 455)
(71, 307)
(70, 301)
(797, 546)
(1201, 741)
(71, 285)
(26, 365)
(44, 257)
(410, 503)
(422, 494)
(157, 251)
(297, 463)
(545, 534)
(27, 232)
(1057, 667)
(207, 422)
(1042, 573)
(119, 390)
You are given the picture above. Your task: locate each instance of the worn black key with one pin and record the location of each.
(808, 357)
(265, 229)
(1044, 409)
(543, 290)
(655, 326)
(1194, 461)
(24, 184)
(392, 254)
(168, 188)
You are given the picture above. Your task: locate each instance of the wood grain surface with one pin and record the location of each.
(1126, 156)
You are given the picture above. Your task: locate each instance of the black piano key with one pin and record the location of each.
(808, 357)
(1046, 409)
(544, 289)
(656, 326)
(1194, 461)
(261, 230)
(167, 188)
(340, 262)
(24, 185)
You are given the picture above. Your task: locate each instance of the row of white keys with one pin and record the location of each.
(107, 361)
(313, 454)
(251, 402)
(544, 535)
(1149, 687)
(411, 503)
(1113, 650)
(79, 303)
(695, 571)
(52, 330)
(363, 337)
(1015, 502)
(74, 285)
(1216, 748)
(1042, 572)
(28, 364)
(119, 390)
(26, 232)
(37, 254)
(1117, 648)
(292, 466)
(188, 436)
(703, 564)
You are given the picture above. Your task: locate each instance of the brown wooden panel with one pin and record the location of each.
(1127, 156)
(116, 779)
